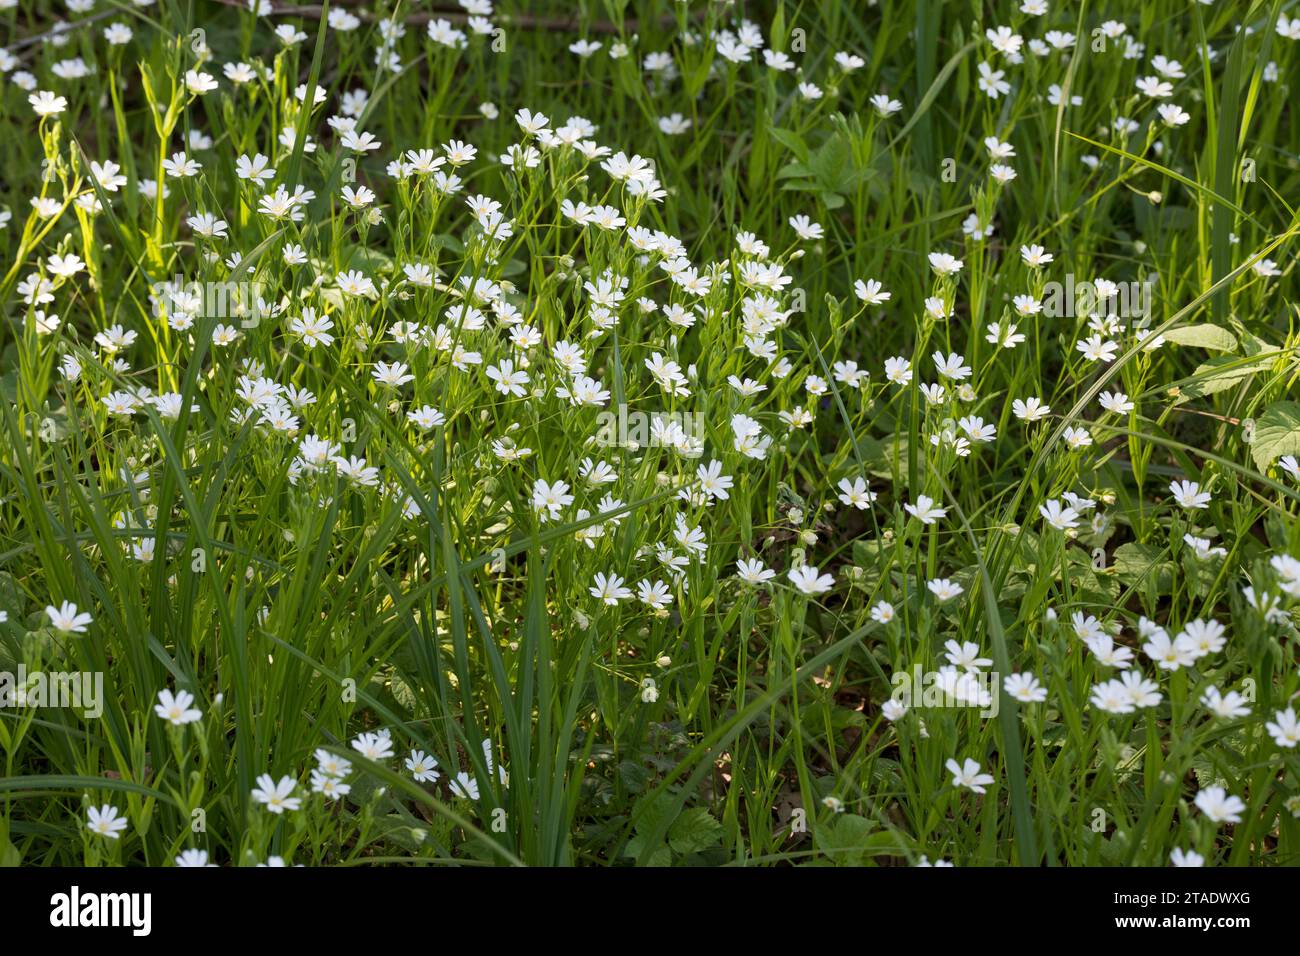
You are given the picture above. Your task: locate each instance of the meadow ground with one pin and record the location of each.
(656, 433)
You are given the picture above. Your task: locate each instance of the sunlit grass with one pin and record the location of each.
(635, 399)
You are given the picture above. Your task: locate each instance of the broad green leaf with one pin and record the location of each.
(1205, 336)
(1219, 375)
(695, 830)
(1277, 433)
(1137, 563)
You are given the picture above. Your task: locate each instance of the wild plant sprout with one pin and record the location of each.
(436, 439)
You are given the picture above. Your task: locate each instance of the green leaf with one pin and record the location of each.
(695, 830)
(369, 261)
(791, 141)
(1135, 563)
(660, 856)
(1277, 433)
(1220, 374)
(845, 839)
(10, 855)
(1205, 336)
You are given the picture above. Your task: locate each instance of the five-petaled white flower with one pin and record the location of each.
(276, 796)
(175, 708)
(968, 775)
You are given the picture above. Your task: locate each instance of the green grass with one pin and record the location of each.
(723, 722)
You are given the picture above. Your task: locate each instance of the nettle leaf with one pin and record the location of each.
(845, 839)
(1207, 774)
(1205, 336)
(403, 693)
(695, 830)
(662, 856)
(1136, 563)
(833, 161)
(1277, 433)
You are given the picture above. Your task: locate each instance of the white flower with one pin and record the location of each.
(884, 105)
(898, 370)
(806, 579)
(753, 571)
(199, 83)
(1116, 402)
(332, 764)
(175, 708)
(609, 589)
(1155, 87)
(1059, 516)
(1226, 705)
(1035, 256)
(892, 710)
(550, 498)
(855, 493)
(945, 264)
(1112, 697)
(464, 786)
(66, 618)
(1030, 410)
(871, 292)
(193, 858)
(713, 482)
(968, 775)
(508, 379)
(925, 510)
(1169, 655)
(423, 767)
(374, 746)
(276, 796)
(1025, 688)
(46, 103)
(1202, 638)
(944, 589)
(530, 122)
(1172, 114)
(991, 81)
(805, 228)
(1219, 806)
(966, 655)
(1284, 728)
(1188, 494)
(329, 785)
(105, 821)
(953, 367)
